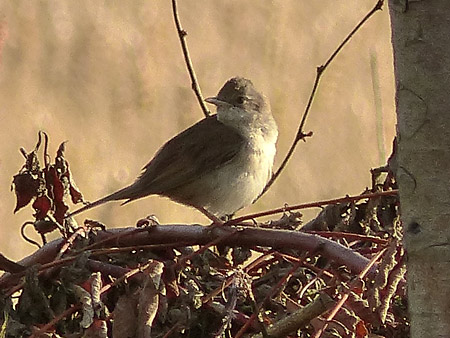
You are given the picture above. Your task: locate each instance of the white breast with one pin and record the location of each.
(247, 175)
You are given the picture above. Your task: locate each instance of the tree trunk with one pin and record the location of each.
(421, 41)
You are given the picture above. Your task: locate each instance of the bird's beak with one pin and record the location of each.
(215, 101)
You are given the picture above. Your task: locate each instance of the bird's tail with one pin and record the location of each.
(125, 193)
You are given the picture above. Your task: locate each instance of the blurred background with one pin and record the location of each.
(109, 78)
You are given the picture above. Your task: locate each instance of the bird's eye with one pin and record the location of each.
(240, 99)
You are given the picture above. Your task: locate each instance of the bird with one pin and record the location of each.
(220, 164)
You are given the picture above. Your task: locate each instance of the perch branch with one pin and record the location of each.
(201, 235)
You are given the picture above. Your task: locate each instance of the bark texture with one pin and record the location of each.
(421, 41)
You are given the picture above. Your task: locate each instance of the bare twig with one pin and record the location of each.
(300, 318)
(346, 199)
(207, 298)
(25, 237)
(47, 327)
(350, 236)
(320, 70)
(269, 295)
(345, 296)
(182, 36)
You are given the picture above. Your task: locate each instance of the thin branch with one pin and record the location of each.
(350, 236)
(300, 318)
(182, 36)
(47, 327)
(25, 237)
(268, 296)
(345, 296)
(207, 298)
(318, 204)
(320, 70)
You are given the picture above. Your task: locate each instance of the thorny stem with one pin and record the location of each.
(320, 70)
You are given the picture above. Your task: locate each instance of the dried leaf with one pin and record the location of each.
(54, 184)
(75, 194)
(42, 205)
(125, 315)
(61, 164)
(32, 162)
(149, 299)
(85, 299)
(60, 211)
(98, 329)
(63, 168)
(170, 281)
(26, 186)
(361, 330)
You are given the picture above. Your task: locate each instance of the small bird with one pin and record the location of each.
(219, 165)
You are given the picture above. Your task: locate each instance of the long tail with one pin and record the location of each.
(116, 196)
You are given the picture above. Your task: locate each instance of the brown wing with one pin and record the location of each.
(195, 152)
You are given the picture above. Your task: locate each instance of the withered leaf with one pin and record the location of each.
(84, 297)
(42, 205)
(149, 298)
(32, 162)
(61, 149)
(62, 167)
(60, 162)
(75, 194)
(54, 184)
(125, 316)
(25, 186)
(60, 211)
(170, 281)
(44, 226)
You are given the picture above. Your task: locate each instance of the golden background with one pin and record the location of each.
(109, 77)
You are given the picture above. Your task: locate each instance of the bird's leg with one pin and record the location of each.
(215, 220)
(227, 218)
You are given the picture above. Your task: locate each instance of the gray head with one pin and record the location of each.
(242, 107)
(239, 92)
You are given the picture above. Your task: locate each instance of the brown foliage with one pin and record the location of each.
(130, 282)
